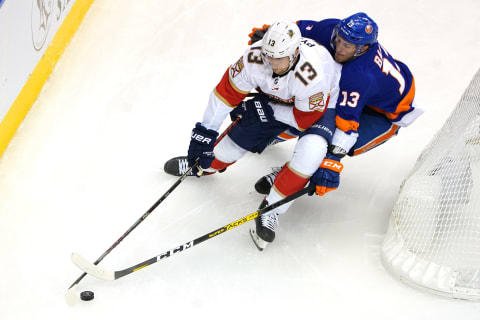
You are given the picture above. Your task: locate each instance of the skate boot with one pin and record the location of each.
(177, 166)
(265, 183)
(264, 231)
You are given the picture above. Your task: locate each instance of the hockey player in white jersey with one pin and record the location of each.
(297, 80)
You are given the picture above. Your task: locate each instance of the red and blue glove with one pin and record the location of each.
(201, 147)
(327, 176)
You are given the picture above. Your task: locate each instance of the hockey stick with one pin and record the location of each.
(104, 274)
(71, 289)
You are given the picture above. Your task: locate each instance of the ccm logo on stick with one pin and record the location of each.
(201, 138)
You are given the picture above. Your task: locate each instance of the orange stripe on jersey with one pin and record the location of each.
(306, 119)
(346, 125)
(384, 137)
(406, 102)
(289, 181)
(228, 93)
(286, 136)
(403, 106)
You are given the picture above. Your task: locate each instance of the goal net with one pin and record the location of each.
(433, 238)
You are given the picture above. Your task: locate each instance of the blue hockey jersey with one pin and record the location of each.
(374, 80)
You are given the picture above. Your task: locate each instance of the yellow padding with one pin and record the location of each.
(42, 71)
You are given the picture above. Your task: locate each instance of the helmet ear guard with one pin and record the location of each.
(358, 29)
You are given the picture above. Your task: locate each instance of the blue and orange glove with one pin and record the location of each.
(201, 146)
(258, 33)
(327, 176)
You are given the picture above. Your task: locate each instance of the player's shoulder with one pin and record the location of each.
(252, 56)
(317, 26)
(363, 66)
(313, 51)
(254, 47)
(318, 57)
(315, 72)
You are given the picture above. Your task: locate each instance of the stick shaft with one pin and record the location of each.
(210, 235)
(154, 206)
(143, 217)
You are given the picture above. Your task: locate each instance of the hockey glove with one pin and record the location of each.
(258, 33)
(201, 146)
(253, 111)
(327, 176)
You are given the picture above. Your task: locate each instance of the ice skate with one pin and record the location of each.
(264, 231)
(265, 183)
(177, 166)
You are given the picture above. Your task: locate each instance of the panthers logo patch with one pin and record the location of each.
(237, 67)
(316, 102)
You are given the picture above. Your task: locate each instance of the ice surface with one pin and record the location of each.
(87, 163)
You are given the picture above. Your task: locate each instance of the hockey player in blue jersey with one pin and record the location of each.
(376, 91)
(375, 99)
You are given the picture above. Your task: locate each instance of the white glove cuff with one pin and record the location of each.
(343, 140)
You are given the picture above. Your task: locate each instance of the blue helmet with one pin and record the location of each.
(358, 29)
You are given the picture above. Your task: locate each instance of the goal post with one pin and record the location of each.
(433, 237)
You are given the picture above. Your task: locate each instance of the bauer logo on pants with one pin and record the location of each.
(261, 112)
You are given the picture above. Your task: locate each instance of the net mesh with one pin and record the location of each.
(434, 234)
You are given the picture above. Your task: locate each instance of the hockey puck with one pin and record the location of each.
(87, 295)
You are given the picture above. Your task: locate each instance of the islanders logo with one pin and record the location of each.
(368, 28)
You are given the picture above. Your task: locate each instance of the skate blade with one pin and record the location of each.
(259, 243)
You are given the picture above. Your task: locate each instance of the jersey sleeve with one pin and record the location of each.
(311, 84)
(307, 110)
(312, 100)
(354, 90)
(320, 31)
(234, 86)
(306, 26)
(235, 83)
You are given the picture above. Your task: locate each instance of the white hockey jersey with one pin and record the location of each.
(298, 98)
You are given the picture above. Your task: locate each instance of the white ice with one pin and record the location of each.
(87, 163)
